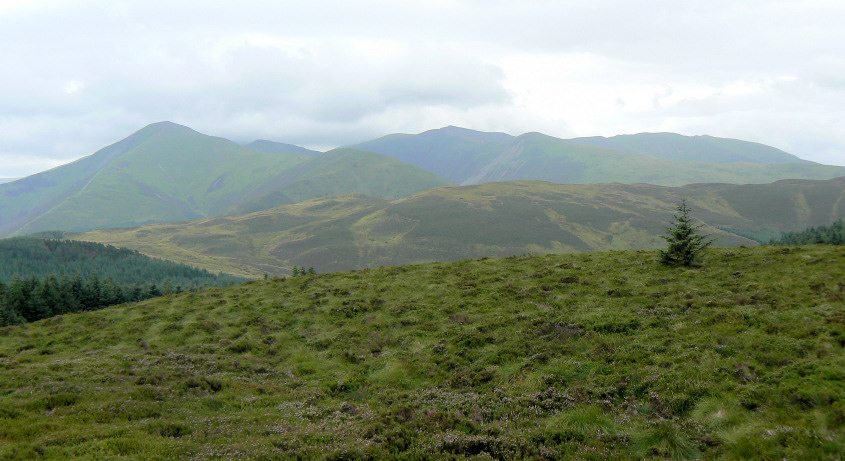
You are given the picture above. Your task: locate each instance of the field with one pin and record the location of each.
(585, 356)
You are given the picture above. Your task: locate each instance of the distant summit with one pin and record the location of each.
(672, 146)
(469, 135)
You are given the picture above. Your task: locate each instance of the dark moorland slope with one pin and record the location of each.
(492, 219)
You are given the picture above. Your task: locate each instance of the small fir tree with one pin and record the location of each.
(685, 243)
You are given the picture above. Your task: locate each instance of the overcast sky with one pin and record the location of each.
(78, 75)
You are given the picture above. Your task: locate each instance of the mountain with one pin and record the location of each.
(471, 157)
(167, 172)
(490, 219)
(671, 146)
(164, 172)
(272, 147)
(341, 171)
(590, 357)
(5, 180)
(453, 153)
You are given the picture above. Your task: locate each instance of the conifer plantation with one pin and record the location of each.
(40, 278)
(832, 235)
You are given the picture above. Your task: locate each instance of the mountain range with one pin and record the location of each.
(167, 172)
(492, 219)
(170, 173)
(472, 157)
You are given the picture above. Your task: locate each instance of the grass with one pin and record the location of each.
(587, 356)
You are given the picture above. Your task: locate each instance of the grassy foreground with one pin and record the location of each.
(586, 356)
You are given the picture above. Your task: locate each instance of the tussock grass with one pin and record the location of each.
(589, 356)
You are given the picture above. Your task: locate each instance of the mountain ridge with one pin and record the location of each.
(167, 172)
(490, 219)
(469, 157)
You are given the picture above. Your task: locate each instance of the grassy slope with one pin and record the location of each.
(589, 356)
(164, 172)
(492, 219)
(25, 199)
(341, 171)
(167, 173)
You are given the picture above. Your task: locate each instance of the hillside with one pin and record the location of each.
(492, 219)
(164, 172)
(451, 152)
(341, 171)
(471, 157)
(167, 172)
(591, 356)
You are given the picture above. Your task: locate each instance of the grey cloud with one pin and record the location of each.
(85, 74)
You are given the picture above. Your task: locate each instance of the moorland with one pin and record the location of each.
(587, 356)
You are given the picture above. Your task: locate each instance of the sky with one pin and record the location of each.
(80, 75)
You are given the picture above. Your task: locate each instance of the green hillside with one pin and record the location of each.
(590, 356)
(167, 172)
(491, 219)
(471, 157)
(164, 172)
(341, 171)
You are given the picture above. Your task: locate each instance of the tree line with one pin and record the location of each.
(833, 234)
(25, 257)
(40, 278)
(31, 299)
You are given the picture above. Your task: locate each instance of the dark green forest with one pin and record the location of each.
(833, 234)
(40, 278)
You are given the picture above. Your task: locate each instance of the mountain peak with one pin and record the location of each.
(467, 134)
(164, 126)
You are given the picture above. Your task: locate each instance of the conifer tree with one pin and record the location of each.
(685, 243)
